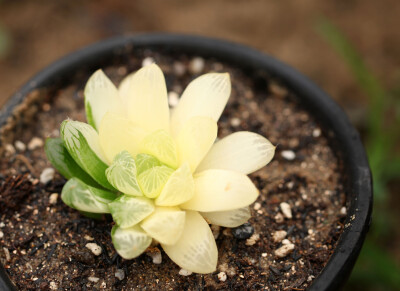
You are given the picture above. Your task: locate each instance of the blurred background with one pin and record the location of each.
(349, 48)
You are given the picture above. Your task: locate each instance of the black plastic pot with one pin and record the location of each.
(320, 105)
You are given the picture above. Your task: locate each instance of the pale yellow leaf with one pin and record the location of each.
(178, 189)
(243, 152)
(196, 250)
(205, 96)
(101, 96)
(195, 140)
(230, 218)
(221, 190)
(145, 95)
(165, 224)
(130, 242)
(117, 134)
(161, 145)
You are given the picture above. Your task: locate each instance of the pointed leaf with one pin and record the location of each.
(117, 134)
(178, 189)
(60, 158)
(165, 224)
(221, 190)
(243, 152)
(101, 96)
(145, 162)
(145, 95)
(205, 96)
(230, 218)
(122, 174)
(195, 140)
(161, 145)
(82, 197)
(82, 142)
(128, 211)
(196, 250)
(130, 242)
(153, 180)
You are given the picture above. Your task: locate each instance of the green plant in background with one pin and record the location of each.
(375, 268)
(160, 174)
(4, 41)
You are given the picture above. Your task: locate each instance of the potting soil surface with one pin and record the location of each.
(295, 224)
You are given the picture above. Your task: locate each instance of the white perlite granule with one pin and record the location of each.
(94, 248)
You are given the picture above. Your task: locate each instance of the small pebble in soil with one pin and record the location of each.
(196, 65)
(1, 234)
(93, 279)
(120, 274)
(235, 122)
(155, 254)
(288, 155)
(277, 89)
(47, 175)
(243, 232)
(286, 242)
(7, 254)
(279, 235)
(286, 210)
(35, 143)
(316, 132)
(147, 61)
(2, 224)
(9, 149)
(279, 218)
(173, 98)
(53, 285)
(53, 198)
(284, 250)
(222, 276)
(20, 146)
(343, 211)
(253, 239)
(257, 206)
(88, 237)
(94, 248)
(215, 230)
(179, 69)
(184, 272)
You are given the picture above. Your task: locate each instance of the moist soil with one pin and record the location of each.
(43, 241)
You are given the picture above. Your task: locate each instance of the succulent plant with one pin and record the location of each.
(160, 173)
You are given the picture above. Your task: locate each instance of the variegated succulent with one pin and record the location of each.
(159, 172)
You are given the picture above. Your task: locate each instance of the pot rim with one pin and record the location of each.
(325, 110)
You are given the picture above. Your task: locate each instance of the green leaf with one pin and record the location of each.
(82, 197)
(130, 242)
(60, 158)
(153, 180)
(82, 142)
(161, 145)
(97, 216)
(122, 174)
(128, 211)
(145, 162)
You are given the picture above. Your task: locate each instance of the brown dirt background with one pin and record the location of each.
(42, 31)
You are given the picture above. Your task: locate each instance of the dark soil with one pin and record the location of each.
(43, 242)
